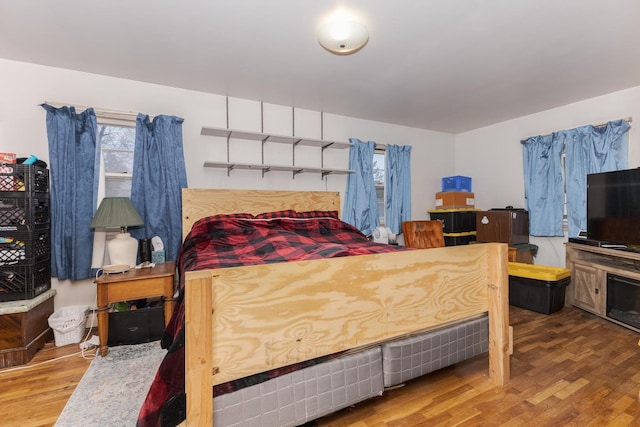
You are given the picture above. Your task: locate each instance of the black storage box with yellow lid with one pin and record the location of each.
(537, 288)
(456, 239)
(455, 220)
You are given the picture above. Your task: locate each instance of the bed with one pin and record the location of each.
(335, 317)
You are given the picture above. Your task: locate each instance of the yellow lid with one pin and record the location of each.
(539, 272)
(453, 210)
(468, 233)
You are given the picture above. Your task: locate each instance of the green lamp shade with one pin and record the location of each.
(116, 212)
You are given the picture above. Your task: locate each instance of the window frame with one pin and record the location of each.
(115, 120)
(380, 150)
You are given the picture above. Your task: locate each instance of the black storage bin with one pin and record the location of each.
(537, 288)
(19, 178)
(18, 282)
(456, 239)
(136, 326)
(455, 220)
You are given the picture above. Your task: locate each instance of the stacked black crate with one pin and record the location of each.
(25, 239)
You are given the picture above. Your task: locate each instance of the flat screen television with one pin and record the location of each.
(613, 207)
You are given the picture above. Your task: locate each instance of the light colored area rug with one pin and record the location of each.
(114, 387)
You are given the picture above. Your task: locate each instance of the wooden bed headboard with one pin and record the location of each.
(198, 203)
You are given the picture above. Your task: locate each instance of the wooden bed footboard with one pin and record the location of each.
(245, 320)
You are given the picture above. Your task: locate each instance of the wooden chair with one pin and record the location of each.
(423, 234)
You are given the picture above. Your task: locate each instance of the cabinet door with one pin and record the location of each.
(588, 288)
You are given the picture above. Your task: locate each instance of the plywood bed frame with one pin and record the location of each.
(245, 320)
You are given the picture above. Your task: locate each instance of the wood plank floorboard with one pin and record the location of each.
(568, 368)
(34, 394)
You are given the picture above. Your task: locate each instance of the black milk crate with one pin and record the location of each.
(18, 282)
(24, 247)
(21, 211)
(23, 179)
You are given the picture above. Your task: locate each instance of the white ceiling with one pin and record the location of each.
(445, 65)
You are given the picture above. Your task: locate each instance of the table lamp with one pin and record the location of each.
(118, 212)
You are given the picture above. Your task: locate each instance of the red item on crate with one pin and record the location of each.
(8, 158)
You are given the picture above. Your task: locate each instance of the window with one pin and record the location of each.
(379, 179)
(573, 154)
(116, 139)
(117, 143)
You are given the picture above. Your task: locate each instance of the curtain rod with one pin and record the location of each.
(102, 112)
(598, 125)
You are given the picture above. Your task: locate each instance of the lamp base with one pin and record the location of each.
(123, 250)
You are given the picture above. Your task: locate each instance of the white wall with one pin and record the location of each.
(492, 155)
(22, 130)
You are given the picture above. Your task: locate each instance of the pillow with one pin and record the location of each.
(318, 214)
(287, 213)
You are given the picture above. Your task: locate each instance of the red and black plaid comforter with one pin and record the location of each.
(219, 242)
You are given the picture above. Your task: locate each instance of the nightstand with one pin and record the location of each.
(132, 285)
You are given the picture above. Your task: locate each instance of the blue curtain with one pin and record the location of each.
(360, 206)
(587, 149)
(543, 186)
(397, 186)
(590, 149)
(159, 175)
(74, 161)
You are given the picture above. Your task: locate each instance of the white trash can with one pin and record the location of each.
(68, 324)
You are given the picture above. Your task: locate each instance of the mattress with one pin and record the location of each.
(412, 357)
(303, 395)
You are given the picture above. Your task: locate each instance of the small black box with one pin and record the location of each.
(542, 291)
(136, 326)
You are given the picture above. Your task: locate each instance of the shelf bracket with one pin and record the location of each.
(293, 156)
(263, 141)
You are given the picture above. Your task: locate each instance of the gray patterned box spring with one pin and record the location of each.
(308, 394)
(409, 358)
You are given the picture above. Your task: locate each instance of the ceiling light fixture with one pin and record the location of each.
(343, 37)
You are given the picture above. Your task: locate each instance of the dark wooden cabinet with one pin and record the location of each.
(24, 328)
(504, 226)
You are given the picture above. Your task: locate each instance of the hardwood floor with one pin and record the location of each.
(35, 394)
(568, 369)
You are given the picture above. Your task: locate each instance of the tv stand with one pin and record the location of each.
(589, 266)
